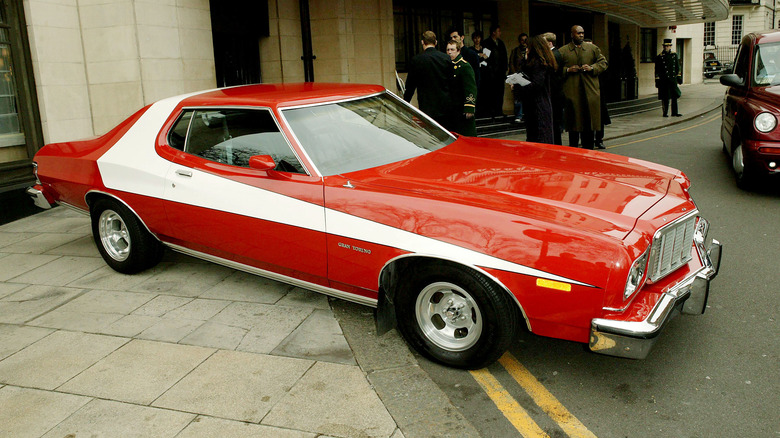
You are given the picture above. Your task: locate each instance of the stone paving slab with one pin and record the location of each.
(208, 427)
(235, 385)
(33, 301)
(60, 272)
(139, 372)
(333, 399)
(57, 358)
(109, 418)
(31, 412)
(18, 264)
(16, 337)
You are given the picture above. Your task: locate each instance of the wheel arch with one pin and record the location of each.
(95, 195)
(394, 269)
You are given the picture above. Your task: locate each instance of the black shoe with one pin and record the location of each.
(666, 115)
(599, 146)
(676, 115)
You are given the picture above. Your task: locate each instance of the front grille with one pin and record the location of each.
(672, 247)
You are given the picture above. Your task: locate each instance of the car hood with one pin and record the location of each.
(588, 190)
(769, 94)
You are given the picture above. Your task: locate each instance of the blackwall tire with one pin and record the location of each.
(123, 242)
(744, 173)
(455, 315)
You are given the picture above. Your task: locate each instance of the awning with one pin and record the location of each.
(654, 13)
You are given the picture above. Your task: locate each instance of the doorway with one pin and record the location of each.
(237, 26)
(681, 55)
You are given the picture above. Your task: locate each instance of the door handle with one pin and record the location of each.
(182, 172)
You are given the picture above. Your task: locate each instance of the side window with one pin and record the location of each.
(742, 64)
(231, 136)
(179, 132)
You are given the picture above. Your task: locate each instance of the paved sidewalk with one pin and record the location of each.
(193, 349)
(186, 349)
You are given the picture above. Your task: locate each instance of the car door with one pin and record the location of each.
(220, 206)
(735, 95)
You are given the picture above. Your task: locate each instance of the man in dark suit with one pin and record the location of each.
(497, 63)
(429, 74)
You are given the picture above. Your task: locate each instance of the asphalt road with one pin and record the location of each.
(714, 375)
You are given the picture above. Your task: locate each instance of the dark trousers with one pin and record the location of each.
(587, 139)
(557, 108)
(665, 105)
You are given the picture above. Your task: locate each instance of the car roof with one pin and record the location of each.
(767, 36)
(281, 95)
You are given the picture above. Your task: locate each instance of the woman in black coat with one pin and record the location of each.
(539, 66)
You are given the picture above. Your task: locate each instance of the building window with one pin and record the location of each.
(709, 33)
(736, 29)
(649, 45)
(412, 18)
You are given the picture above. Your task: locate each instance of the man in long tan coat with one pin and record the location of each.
(582, 65)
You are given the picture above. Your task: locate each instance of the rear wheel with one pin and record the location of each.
(122, 241)
(454, 315)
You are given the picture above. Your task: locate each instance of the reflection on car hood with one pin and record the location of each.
(588, 190)
(770, 94)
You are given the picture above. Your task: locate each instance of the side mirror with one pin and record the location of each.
(731, 80)
(261, 162)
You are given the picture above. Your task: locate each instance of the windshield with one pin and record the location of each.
(360, 134)
(767, 65)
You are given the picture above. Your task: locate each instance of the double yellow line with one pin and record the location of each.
(544, 399)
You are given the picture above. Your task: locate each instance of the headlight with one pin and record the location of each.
(765, 122)
(636, 276)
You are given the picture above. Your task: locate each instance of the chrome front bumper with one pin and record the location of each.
(38, 198)
(634, 339)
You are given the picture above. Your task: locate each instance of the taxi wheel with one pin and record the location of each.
(454, 315)
(743, 172)
(123, 242)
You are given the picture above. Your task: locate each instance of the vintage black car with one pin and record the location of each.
(713, 66)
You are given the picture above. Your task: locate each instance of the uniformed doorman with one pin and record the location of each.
(667, 77)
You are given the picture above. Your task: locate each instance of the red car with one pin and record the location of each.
(751, 108)
(349, 191)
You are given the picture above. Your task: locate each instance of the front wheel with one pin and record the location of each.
(456, 316)
(743, 171)
(123, 242)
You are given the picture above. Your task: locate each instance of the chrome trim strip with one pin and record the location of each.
(468, 265)
(137, 216)
(73, 207)
(682, 218)
(275, 276)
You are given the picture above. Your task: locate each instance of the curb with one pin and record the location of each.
(676, 122)
(419, 407)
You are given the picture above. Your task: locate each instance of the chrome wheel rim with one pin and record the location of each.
(738, 161)
(448, 316)
(114, 235)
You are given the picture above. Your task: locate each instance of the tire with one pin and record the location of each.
(122, 241)
(454, 315)
(709, 75)
(744, 174)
